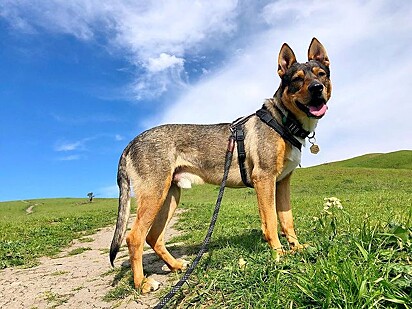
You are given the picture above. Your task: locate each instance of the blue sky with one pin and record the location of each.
(79, 79)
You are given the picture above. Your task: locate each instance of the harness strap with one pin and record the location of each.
(238, 134)
(241, 153)
(267, 118)
(292, 124)
(286, 132)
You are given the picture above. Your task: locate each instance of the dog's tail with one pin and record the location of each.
(123, 181)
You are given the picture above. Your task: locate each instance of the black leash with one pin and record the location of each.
(203, 248)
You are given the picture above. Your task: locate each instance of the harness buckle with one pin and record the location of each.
(240, 137)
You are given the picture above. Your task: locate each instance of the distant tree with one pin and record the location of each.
(91, 196)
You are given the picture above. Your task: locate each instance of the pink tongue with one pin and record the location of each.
(318, 110)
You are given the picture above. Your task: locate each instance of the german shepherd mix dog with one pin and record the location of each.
(161, 161)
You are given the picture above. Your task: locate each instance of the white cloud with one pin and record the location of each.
(163, 62)
(237, 90)
(118, 137)
(369, 44)
(79, 145)
(69, 158)
(69, 146)
(71, 17)
(155, 35)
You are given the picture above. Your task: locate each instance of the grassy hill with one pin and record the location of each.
(359, 256)
(30, 229)
(396, 160)
(349, 263)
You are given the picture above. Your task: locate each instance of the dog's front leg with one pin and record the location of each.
(265, 191)
(284, 212)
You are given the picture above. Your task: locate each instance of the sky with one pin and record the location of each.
(79, 79)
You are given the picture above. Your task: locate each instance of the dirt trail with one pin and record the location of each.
(77, 281)
(29, 209)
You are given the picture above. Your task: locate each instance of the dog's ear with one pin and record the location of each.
(286, 59)
(318, 52)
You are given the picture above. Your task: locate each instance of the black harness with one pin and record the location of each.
(288, 129)
(238, 133)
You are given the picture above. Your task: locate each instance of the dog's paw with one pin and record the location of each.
(298, 247)
(150, 285)
(185, 264)
(166, 268)
(277, 253)
(181, 265)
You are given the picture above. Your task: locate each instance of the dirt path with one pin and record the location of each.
(77, 281)
(29, 209)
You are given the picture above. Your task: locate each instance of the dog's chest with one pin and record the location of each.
(292, 162)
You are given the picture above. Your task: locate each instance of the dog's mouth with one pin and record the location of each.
(315, 109)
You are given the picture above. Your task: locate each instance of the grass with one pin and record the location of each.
(358, 257)
(55, 300)
(59, 273)
(86, 239)
(396, 160)
(353, 262)
(78, 251)
(53, 224)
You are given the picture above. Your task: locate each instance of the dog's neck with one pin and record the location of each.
(308, 124)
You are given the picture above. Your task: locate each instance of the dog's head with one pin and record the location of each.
(305, 87)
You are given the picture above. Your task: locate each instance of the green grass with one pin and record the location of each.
(397, 160)
(362, 259)
(359, 256)
(86, 239)
(78, 251)
(55, 300)
(53, 224)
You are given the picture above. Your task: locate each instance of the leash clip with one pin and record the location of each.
(231, 144)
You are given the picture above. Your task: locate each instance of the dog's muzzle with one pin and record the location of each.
(316, 89)
(316, 108)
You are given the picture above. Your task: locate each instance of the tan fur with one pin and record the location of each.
(161, 160)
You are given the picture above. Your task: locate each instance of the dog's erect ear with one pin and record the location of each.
(318, 52)
(286, 59)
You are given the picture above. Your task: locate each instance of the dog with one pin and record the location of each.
(162, 160)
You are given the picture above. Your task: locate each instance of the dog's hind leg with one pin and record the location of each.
(155, 238)
(149, 203)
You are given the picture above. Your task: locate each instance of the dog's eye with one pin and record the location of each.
(297, 79)
(321, 74)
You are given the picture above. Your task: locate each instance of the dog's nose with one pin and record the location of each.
(316, 88)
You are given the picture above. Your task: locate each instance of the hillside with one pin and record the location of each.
(395, 160)
(373, 229)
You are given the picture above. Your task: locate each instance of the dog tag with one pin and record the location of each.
(314, 149)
